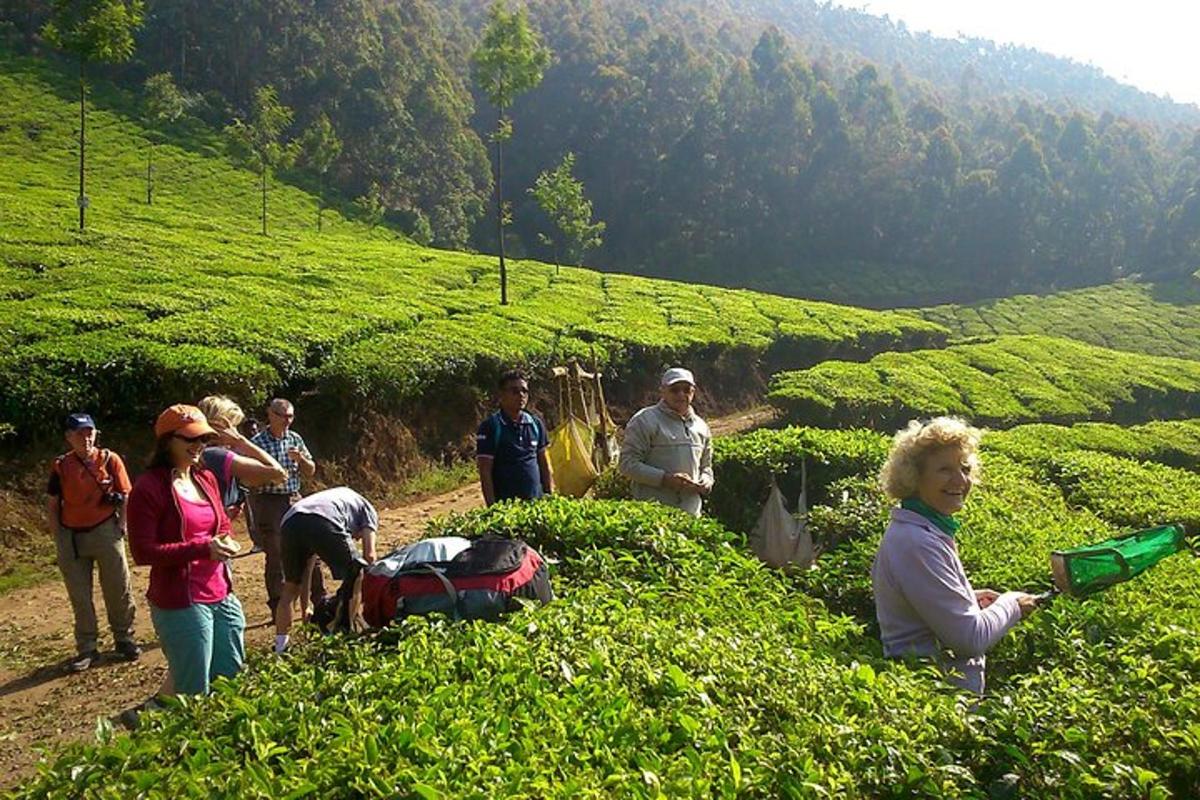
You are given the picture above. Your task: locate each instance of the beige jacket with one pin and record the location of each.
(659, 442)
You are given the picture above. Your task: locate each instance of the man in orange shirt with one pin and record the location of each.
(86, 508)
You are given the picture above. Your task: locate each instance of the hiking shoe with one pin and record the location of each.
(128, 651)
(130, 718)
(83, 661)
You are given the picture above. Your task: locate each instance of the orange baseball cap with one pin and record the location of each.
(182, 420)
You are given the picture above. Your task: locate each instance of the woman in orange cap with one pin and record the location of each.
(178, 526)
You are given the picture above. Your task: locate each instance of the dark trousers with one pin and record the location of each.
(268, 510)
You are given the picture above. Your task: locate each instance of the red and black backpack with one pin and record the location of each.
(482, 581)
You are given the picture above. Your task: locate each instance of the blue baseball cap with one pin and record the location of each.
(76, 421)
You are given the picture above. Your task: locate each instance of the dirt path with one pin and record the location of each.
(42, 706)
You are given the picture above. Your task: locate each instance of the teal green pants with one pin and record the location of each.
(201, 642)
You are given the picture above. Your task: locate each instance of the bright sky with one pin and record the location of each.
(1150, 44)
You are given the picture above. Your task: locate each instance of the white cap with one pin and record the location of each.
(677, 374)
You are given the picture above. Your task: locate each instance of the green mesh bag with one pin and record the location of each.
(1085, 570)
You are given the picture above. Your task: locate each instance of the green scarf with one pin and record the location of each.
(944, 522)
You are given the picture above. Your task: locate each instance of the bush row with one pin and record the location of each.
(672, 665)
(185, 295)
(1008, 380)
(1158, 319)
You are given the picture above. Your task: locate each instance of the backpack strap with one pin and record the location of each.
(446, 584)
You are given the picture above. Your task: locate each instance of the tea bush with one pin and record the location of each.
(155, 303)
(673, 665)
(1174, 443)
(1158, 319)
(1008, 380)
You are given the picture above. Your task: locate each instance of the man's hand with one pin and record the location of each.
(681, 482)
(986, 597)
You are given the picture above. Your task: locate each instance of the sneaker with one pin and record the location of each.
(255, 549)
(83, 661)
(128, 651)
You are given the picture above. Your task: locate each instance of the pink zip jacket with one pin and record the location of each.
(157, 538)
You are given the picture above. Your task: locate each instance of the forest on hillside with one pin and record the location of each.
(739, 142)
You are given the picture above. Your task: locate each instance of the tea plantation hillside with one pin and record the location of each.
(673, 665)
(163, 302)
(1160, 319)
(1008, 380)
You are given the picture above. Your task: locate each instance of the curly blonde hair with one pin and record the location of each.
(221, 410)
(912, 446)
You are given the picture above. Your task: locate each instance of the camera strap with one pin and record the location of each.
(107, 457)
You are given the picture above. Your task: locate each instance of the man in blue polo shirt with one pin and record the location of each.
(510, 447)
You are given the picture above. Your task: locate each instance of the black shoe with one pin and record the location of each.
(83, 661)
(130, 718)
(128, 651)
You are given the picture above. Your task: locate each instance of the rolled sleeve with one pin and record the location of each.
(485, 439)
(368, 517)
(120, 475)
(706, 477)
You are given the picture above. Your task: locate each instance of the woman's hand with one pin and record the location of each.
(228, 437)
(220, 549)
(986, 597)
(1028, 604)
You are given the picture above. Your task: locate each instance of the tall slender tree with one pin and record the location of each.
(509, 61)
(319, 147)
(96, 31)
(260, 143)
(164, 104)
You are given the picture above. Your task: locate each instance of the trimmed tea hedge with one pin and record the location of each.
(165, 302)
(672, 665)
(1158, 319)
(1009, 380)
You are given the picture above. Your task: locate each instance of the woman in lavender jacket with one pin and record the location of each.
(923, 600)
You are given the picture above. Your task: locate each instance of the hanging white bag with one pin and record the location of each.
(781, 539)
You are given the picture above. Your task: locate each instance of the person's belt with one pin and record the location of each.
(90, 528)
(76, 531)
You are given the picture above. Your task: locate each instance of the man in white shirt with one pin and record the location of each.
(667, 451)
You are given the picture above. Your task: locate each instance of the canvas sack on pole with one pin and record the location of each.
(572, 442)
(782, 539)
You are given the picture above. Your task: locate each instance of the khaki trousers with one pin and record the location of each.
(78, 555)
